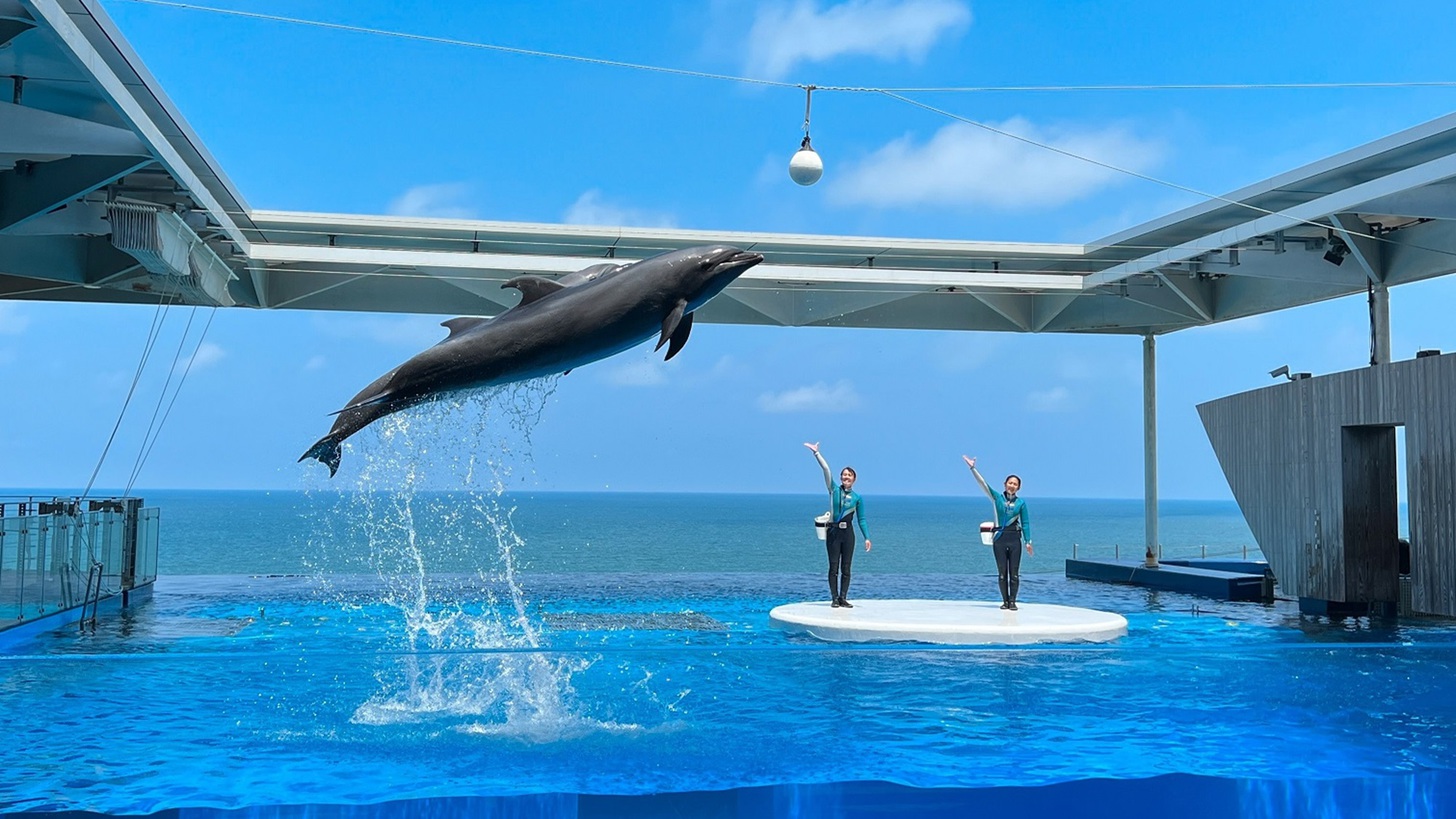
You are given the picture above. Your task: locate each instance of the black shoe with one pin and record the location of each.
(835, 604)
(845, 603)
(1005, 605)
(1012, 605)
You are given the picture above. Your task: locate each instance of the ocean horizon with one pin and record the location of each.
(327, 531)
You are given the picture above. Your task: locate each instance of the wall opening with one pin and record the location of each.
(1371, 483)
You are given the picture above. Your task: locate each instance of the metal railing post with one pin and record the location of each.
(3, 527)
(20, 564)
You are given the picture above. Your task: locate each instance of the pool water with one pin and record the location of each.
(670, 694)
(435, 654)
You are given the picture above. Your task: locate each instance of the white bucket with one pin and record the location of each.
(821, 526)
(988, 533)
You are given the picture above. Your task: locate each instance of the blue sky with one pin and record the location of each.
(308, 119)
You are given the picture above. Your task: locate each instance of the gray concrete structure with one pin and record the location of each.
(1313, 465)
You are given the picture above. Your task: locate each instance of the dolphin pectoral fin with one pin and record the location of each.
(680, 336)
(463, 324)
(379, 398)
(669, 324)
(533, 288)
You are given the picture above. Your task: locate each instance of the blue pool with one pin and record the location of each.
(576, 694)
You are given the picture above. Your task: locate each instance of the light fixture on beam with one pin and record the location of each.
(806, 167)
(1337, 252)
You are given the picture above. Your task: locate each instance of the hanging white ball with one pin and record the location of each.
(806, 167)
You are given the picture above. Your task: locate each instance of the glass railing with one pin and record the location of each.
(55, 551)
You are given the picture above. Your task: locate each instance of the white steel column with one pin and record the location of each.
(1150, 448)
(1379, 324)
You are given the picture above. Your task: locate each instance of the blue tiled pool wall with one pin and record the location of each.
(1423, 795)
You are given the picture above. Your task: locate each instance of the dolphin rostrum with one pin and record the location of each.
(559, 324)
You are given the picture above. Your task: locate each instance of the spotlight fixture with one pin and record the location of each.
(1284, 371)
(1337, 252)
(806, 167)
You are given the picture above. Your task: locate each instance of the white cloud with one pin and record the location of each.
(315, 363)
(1348, 342)
(787, 35)
(961, 352)
(411, 331)
(962, 165)
(1079, 368)
(1142, 210)
(443, 201)
(727, 366)
(1247, 324)
(818, 397)
(13, 320)
(207, 355)
(591, 209)
(644, 372)
(1056, 399)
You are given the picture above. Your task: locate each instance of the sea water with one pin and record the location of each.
(258, 532)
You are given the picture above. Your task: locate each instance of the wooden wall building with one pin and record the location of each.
(1312, 464)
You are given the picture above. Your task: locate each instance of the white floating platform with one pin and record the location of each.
(954, 622)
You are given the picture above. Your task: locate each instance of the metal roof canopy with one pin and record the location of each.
(90, 127)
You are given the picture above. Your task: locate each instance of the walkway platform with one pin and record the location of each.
(1247, 582)
(952, 622)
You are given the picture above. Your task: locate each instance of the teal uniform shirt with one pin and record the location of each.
(841, 503)
(1006, 513)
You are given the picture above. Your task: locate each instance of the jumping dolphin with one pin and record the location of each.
(559, 324)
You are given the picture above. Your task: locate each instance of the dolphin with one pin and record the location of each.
(559, 324)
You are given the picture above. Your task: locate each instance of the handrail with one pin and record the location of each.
(92, 598)
(1242, 551)
(42, 554)
(28, 505)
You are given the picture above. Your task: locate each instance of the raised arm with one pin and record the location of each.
(985, 487)
(824, 465)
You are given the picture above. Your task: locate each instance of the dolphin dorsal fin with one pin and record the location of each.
(533, 288)
(463, 324)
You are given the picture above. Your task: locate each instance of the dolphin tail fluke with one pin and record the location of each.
(680, 336)
(669, 324)
(327, 451)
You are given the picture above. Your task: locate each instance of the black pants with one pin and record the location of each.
(840, 543)
(1007, 548)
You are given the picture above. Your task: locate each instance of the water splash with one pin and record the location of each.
(429, 507)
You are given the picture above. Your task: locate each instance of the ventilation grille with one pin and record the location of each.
(167, 247)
